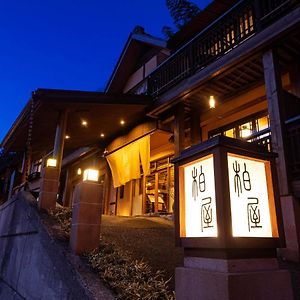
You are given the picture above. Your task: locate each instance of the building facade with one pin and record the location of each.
(234, 70)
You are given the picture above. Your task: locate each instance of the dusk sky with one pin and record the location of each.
(66, 44)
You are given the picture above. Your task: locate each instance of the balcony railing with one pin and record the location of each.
(239, 23)
(293, 139)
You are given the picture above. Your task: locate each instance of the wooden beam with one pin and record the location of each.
(275, 101)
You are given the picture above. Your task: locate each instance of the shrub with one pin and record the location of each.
(129, 279)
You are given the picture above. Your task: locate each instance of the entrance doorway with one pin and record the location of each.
(160, 187)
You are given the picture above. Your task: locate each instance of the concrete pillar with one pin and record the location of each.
(232, 279)
(86, 218)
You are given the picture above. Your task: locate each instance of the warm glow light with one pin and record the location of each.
(122, 122)
(251, 197)
(51, 162)
(102, 135)
(90, 175)
(200, 216)
(245, 131)
(67, 137)
(212, 102)
(84, 123)
(79, 171)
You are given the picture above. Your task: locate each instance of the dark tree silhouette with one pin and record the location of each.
(182, 11)
(167, 32)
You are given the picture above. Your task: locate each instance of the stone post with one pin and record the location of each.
(86, 219)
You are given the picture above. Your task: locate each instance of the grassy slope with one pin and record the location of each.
(151, 239)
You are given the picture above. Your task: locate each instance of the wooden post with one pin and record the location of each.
(144, 194)
(294, 73)
(276, 111)
(50, 175)
(179, 131)
(156, 193)
(60, 137)
(195, 127)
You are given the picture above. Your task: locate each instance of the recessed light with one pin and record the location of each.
(122, 122)
(67, 137)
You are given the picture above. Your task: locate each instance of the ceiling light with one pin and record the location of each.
(122, 122)
(67, 137)
(212, 102)
(102, 135)
(84, 123)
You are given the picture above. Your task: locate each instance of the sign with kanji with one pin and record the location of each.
(200, 201)
(250, 193)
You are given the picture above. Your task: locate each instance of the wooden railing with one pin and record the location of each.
(262, 138)
(239, 23)
(293, 139)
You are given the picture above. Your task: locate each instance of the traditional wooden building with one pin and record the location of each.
(234, 70)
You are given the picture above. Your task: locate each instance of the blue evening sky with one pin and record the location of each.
(66, 44)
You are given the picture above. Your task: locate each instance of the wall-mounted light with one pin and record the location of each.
(122, 122)
(84, 123)
(67, 137)
(79, 171)
(102, 135)
(212, 102)
(91, 175)
(51, 162)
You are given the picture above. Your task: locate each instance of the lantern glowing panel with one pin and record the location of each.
(198, 210)
(90, 175)
(251, 197)
(51, 162)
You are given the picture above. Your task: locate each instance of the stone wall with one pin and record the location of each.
(32, 263)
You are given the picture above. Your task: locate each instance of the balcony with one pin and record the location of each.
(239, 23)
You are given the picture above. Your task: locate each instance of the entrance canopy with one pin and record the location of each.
(94, 118)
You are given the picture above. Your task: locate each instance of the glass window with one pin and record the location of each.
(263, 123)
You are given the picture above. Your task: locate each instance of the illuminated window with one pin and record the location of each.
(254, 129)
(230, 133)
(263, 123)
(245, 130)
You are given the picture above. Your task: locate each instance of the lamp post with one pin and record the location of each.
(228, 220)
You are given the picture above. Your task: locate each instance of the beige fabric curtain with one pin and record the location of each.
(125, 162)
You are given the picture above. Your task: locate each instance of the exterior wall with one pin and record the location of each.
(145, 70)
(134, 79)
(150, 65)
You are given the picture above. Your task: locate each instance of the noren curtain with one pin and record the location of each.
(125, 162)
